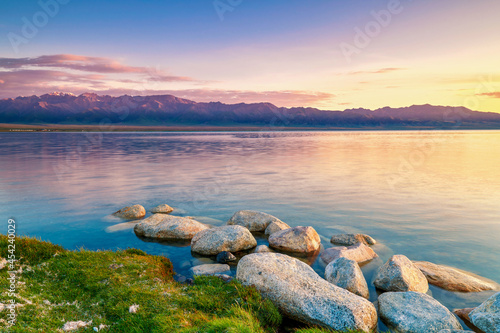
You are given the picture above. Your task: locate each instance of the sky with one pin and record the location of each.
(328, 54)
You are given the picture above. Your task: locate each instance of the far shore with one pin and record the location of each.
(201, 128)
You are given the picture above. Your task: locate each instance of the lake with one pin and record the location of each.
(430, 195)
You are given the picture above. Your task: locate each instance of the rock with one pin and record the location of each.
(262, 249)
(298, 239)
(486, 317)
(162, 226)
(231, 238)
(413, 312)
(3, 263)
(359, 253)
(74, 325)
(225, 257)
(453, 279)
(131, 213)
(300, 293)
(209, 269)
(224, 277)
(253, 221)
(162, 209)
(399, 274)
(453, 331)
(133, 308)
(275, 227)
(345, 273)
(352, 239)
(463, 313)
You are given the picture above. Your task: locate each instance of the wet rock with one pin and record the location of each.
(298, 239)
(225, 257)
(463, 313)
(275, 227)
(359, 253)
(453, 279)
(413, 312)
(162, 226)
(452, 331)
(252, 220)
(345, 273)
(486, 317)
(300, 293)
(399, 274)
(352, 239)
(162, 209)
(209, 269)
(230, 238)
(131, 212)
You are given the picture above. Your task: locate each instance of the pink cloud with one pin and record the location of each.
(379, 71)
(495, 94)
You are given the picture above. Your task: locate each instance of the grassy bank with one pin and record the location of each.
(58, 286)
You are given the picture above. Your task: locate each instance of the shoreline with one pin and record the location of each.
(23, 128)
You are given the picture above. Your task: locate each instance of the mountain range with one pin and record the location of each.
(168, 110)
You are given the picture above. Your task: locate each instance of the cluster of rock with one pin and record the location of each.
(340, 300)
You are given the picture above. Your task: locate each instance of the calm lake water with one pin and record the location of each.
(430, 195)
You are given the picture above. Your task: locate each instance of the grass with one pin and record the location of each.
(58, 286)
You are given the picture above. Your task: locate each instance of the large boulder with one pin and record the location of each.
(298, 240)
(359, 253)
(209, 269)
(486, 317)
(399, 274)
(352, 239)
(162, 209)
(230, 238)
(345, 273)
(413, 312)
(253, 221)
(131, 213)
(300, 293)
(453, 279)
(276, 226)
(162, 226)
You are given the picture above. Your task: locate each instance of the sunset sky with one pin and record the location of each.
(328, 54)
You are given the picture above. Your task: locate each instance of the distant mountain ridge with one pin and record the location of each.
(90, 108)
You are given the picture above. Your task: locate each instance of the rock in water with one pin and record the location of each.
(453, 279)
(131, 212)
(209, 269)
(298, 240)
(399, 274)
(453, 331)
(262, 249)
(345, 273)
(162, 226)
(301, 294)
(225, 257)
(162, 209)
(253, 221)
(230, 238)
(463, 313)
(359, 253)
(352, 239)
(413, 312)
(486, 317)
(275, 227)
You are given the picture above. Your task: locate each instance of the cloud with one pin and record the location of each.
(379, 71)
(86, 64)
(495, 94)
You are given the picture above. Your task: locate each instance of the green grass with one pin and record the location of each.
(58, 286)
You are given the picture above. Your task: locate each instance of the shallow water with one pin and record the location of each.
(430, 195)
